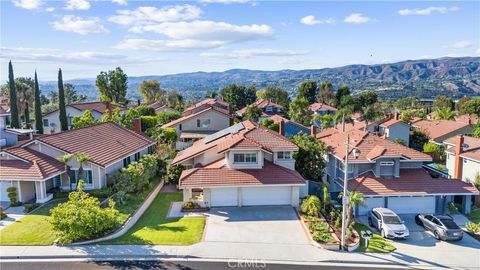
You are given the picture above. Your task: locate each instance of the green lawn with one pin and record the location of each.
(376, 244)
(31, 230)
(155, 229)
(474, 216)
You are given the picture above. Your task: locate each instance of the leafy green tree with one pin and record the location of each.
(38, 108)
(85, 120)
(342, 91)
(14, 122)
(151, 91)
(472, 107)
(325, 93)
(309, 158)
(460, 103)
(175, 100)
(407, 115)
(114, 117)
(327, 202)
(369, 114)
(367, 98)
(435, 150)
(71, 95)
(476, 130)
(173, 173)
(239, 96)
(443, 102)
(252, 112)
(407, 103)
(300, 112)
(308, 90)
(64, 159)
(326, 120)
(270, 124)
(61, 103)
(166, 117)
(275, 94)
(211, 94)
(145, 110)
(417, 139)
(444, 113)
(163, 135)
(112, 86)
(81, 217)
(311, 206)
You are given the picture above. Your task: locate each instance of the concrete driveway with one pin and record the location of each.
(262, 224)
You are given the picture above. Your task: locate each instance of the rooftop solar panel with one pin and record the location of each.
(222, 133)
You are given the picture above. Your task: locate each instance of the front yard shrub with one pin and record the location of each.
(311, 206)
(323, 237)
(320, 226)
(473, 227)
(173, 173)
(191, 205)
(137, 175)
(2, 214)
(12, 195)
(81, 217)
(29, 208)
(100, 193)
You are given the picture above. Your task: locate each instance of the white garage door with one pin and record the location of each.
(223, 197)
(411, 205)
(266, 196)
(3, 190)
(369, 204)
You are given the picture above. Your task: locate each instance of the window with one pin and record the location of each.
(245, 158)
(284, 155)
(387, 163)
(151, 149)
(180, 127)
(45, 122)
(126, 161)
(137, 156)
(268, 109)
(203, 123)
(341, 166)
(69, 121)
(87, 176)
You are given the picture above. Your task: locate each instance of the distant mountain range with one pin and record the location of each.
(425, 78)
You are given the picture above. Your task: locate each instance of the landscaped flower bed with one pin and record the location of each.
(321, 232)
(193, 207)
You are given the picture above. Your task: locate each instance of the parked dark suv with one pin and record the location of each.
(442, 226)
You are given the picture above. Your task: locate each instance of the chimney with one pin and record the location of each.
(137, 123)
(313, 131)
(469, 120)
(281, 127)
(457, 171)
(108, 106)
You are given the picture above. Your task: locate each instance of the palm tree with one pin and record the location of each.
(66, 176)
(369, 114)
(82, 158)
(444, 114)
(354, 198)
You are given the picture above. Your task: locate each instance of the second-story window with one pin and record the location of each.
(268, 109)
(245, 158)
(203, 123)
(341, 166)
(45, 122)
(284, 155)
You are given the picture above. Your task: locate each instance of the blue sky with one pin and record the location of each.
(84, 37)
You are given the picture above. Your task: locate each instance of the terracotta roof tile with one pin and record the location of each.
(473, 150)
(217, 175)
(104, 142)
(260, 104)
(321, 106)
(410, 182)
(391, 122)
(438, 128)
(189, 116)
(209, 102)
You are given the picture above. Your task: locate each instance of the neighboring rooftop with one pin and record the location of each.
(189, 116)
(209, 102)
(246, 134)
(105, 143)
(262, 104)
(392, 122)
(471, 147)
(410, 182)
(438, 128)
(318, 106)
(96, 106)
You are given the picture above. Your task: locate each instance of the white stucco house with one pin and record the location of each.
(395, 129)
(463, 157)
(245, 164)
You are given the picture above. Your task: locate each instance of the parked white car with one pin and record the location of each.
(388, 223)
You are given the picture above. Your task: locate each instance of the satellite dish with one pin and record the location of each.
(465, 146)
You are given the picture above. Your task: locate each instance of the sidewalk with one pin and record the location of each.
(219, 250)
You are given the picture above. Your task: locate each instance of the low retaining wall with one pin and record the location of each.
(130, 221)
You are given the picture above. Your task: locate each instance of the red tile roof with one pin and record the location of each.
(261, 104)
(250, 134)
(438, 128)
(321, 106)
(209, 102)
(410, 182)
(97, 106)
(104, 142)
(189, 116)
(30, 165)
(217, 174)
(392, 122)
(277, 118)
(473, 150)
(370, 145)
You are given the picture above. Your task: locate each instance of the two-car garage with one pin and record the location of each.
(400, 205)
(250, 196)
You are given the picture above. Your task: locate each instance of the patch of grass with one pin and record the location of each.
(474, 215)
(376, 244)
(155, 228)
(32, 230)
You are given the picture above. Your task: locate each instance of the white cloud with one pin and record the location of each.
(166, 45)
(311, 20)
(28, 4)
(149, 15)
(224, 1)
(478, 51)
(77, 4)
(427, 11)
(462, 44)
(248, 53)
(50, 9)
(357, 18)
(70, 23)
(120, 2)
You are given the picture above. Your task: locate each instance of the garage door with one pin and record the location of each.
(369, 204)
(411, 205)
(3, 190)
(223, 197)
(267, 196)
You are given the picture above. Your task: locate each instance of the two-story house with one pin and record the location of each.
(199, 121)
(395, 129)
(389, 175)
(11, 136)
(51, 121)
(268, 108)
(34, 170)
(463, 157)
(440, 130)
(245, 164)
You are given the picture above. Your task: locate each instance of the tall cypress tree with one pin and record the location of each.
(13, 98)
(38, 108)
(61, 102)
(26, 114)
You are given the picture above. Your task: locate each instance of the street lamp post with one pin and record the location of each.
(356, 153)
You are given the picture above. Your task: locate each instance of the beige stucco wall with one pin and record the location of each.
(54, 118)
(27, 190)
(218, 121)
